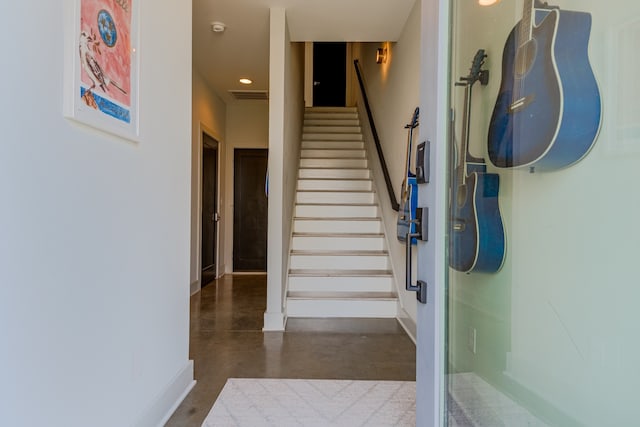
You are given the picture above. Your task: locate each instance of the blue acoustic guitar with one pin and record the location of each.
(476, 233)
(548, 111)
(409, 200)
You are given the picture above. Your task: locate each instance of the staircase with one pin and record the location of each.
(339, 265)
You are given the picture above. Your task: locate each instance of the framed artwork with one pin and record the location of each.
(102, 66)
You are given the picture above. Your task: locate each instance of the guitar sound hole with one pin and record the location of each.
(461, 195)
(524, 57)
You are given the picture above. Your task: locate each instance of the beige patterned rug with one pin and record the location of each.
(313, 403)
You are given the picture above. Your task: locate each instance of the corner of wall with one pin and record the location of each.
(166, 403)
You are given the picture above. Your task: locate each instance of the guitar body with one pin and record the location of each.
(548, 111)
(407, 210)
(476, 235)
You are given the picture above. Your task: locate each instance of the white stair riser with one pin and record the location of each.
(326, 110)
(333, 163)
(339, 262)
(325, 211)
(340, 284)
(322, 153)
(334, 184)
(332, 145)
(310, 173)
(331, 116)
(313, 243)
(332, 136)
(336, 198)
(331, 122)
(336, 226)
(341, 308)
(331, 129)
(328, 145)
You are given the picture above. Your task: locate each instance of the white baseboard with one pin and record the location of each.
(168, 401)
(408, 324)
(195, 287)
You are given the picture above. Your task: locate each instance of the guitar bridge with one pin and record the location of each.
(521, 103)
(459, 226)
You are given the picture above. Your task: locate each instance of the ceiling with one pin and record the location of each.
(242, 50)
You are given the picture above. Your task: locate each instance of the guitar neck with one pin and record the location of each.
(411, 126)
(406, 167)
(466, 116)
(526, 24)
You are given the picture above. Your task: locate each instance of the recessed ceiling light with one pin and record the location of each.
(246, 81)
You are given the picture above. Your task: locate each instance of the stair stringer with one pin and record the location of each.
(406, 315)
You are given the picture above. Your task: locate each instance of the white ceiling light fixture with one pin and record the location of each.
(246, 81)
(218, 27)
(487, 2)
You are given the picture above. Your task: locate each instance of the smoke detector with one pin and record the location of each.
(218, 27)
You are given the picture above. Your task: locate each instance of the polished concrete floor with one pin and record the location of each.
(227, 342)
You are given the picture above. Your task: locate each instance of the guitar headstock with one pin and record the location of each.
(414, 119)
(476, 72)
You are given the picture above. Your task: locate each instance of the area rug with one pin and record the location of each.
(254, 402)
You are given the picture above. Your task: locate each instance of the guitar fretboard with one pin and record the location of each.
(526, 25)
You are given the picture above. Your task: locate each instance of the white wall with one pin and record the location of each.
(393, 92)
(209, 115)
(94, 246)
(286, 108)
(247, 127)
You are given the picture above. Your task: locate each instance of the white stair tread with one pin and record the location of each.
(336, 191)
(337, 204)
(333, 158)
(334, 149)
(335, 168)
(339, 252)
(339, 273)
(331, 218)
(308, 234)
(331, 122)
(335, 179)
(343, 295)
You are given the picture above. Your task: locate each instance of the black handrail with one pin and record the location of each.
(387, 179)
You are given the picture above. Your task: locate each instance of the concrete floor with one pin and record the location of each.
(227, 342)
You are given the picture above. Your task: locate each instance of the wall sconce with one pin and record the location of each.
(381, 56)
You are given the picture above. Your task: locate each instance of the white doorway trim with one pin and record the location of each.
(432, 262)
(204, 129)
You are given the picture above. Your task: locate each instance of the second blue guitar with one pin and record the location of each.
(476, 232)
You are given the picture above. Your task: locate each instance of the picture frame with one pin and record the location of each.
(102, 65)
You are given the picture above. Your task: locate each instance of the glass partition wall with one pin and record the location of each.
(543, 284)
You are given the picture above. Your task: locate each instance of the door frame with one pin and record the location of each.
(350, 91)
(432, 259)
(202, 130)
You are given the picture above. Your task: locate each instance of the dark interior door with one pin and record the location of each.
(329, 74)
(249, 210)
(209, 207)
